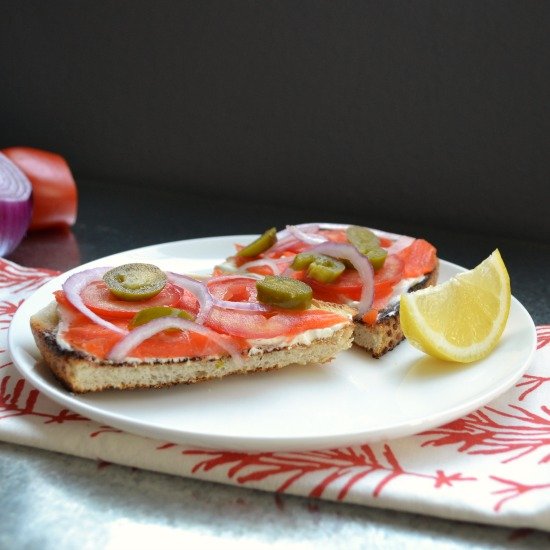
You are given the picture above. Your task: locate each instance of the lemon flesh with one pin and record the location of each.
(461, 319)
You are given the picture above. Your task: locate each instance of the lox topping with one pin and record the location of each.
(394, 258)
(187, 318)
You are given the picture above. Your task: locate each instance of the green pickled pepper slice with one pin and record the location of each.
(325, 269)
(261, 244)
(377, 257)
(284, 292)
(362, 238)
(134, 282)
(150, 313)
(303, 260)
(368, 244)
(319, 267)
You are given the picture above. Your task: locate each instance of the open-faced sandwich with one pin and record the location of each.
(136, 326)
(363, 268)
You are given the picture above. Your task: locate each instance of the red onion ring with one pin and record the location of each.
(335, 226)
(400, 244)
(286, 239)
(121, 350)
(240, 306)
(293, 234)
(206, 301)
(268, 262)
(198, 289)
(205, 298)
(387, 235)
(74, 285)
(360, 262)
(303, 227)
(314, 227)
(304, 236)
(282, 245)
(15, 205)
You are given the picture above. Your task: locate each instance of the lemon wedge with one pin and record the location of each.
(461, 319)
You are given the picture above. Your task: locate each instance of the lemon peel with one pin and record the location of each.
(463, 318)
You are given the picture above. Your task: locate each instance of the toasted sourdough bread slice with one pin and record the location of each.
(386, 333)
(81, 373)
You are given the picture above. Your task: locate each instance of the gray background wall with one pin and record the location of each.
(431, 111)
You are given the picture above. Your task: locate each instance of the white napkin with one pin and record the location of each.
(491, 466)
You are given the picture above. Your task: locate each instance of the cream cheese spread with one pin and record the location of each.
(261, 345)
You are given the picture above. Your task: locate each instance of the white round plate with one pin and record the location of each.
(353, 400)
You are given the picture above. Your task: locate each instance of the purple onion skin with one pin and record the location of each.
(15, 218)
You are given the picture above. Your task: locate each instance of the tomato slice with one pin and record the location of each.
(53, 186)
(260, 270)
(348, 285)
(100, 300)
(188, 301)
(290, 252)
(389, 275)
(253, 324)
(335, 235)
(235, 289)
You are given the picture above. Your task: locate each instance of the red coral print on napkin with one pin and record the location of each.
(543, 336)
(105, 430)
(18, 278)
(532, 383)
(15, 400)
(350, 464)
(512, 433)
(514, 489)
(8, 363)
(489, 431)
(7, 311)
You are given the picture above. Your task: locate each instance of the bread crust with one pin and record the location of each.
(386, 333)
(81, 373)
